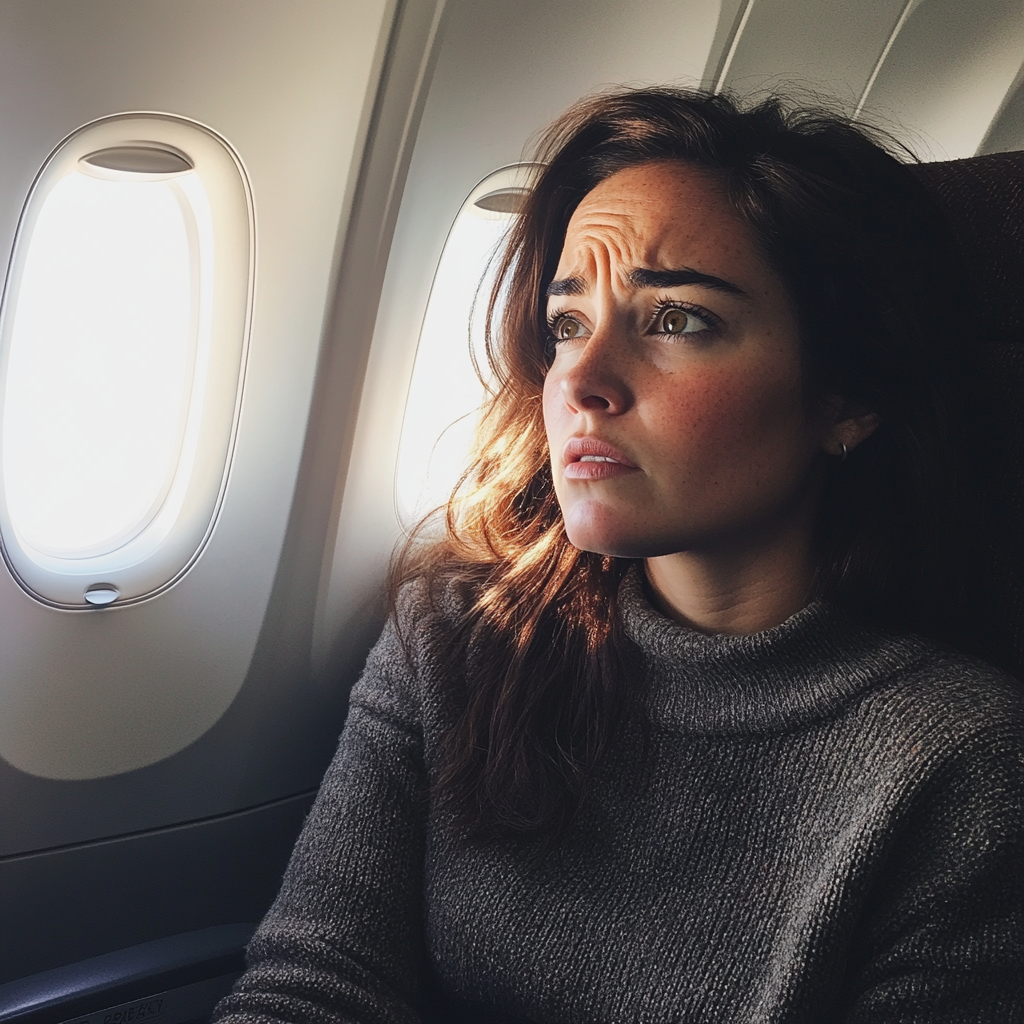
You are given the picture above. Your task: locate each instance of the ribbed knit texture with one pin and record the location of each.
(829, 827)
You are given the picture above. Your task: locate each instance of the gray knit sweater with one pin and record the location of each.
(829, 827)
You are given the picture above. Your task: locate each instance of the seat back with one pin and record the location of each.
(983, 199)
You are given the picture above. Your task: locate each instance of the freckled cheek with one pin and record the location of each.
(711, 414)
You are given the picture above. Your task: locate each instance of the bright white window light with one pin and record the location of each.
(124, 327)
(102, 352)
(446, 392)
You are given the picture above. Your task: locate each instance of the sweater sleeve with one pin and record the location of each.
(945, 931)
(344, 939)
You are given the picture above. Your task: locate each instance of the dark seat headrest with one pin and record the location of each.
(983, 200)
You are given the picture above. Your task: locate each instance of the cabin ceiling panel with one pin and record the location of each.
(1007, 132)
(824, 48)
(948, 73)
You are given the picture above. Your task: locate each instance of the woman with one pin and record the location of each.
(655, 733)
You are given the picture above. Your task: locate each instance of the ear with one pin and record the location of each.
(849, 423)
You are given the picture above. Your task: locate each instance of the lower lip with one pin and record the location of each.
(595, 470)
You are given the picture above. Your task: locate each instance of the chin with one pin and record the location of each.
(599, 529)
(619, 543)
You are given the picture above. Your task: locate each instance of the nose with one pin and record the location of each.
(597, 378)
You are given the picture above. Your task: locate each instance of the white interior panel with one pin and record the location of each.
(85, 695)
(947, 74)
(824, 48)
(1007, 132)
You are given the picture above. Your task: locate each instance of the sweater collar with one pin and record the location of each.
(805, 669)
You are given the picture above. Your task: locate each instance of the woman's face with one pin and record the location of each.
(675, 407)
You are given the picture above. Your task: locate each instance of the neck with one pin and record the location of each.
(730, 588)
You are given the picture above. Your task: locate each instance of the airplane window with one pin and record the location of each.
(447, 389)
(118, 345)
(120, 368)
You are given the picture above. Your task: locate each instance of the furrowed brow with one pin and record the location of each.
(641, 277)
(567, 286)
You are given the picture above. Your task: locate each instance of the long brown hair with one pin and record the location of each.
(552, 683)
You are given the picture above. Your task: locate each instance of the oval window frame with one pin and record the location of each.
(161, 554)
(502, 184)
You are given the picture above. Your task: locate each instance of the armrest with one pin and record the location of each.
(126, 975)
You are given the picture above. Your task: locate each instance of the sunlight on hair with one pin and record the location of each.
(102, 360)
(446, 393)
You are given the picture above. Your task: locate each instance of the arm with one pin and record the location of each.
(344, 939)
(946, 932)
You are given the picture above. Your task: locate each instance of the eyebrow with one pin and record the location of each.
(567, 286)
(641, 277)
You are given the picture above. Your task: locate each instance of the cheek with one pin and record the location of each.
(713, 413)
(552, 405)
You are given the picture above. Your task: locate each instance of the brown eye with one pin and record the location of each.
(566, 328)
(675, 321)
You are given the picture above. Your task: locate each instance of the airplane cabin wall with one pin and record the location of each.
(364, 125)
(157, 759)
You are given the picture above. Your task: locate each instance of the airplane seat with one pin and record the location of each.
(983, 199)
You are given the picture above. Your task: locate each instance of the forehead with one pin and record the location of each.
(659, 214)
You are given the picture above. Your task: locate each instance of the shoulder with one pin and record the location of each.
(421, 640)
(943, 919)
(940, 678)
(944, 705)
(428, 614)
